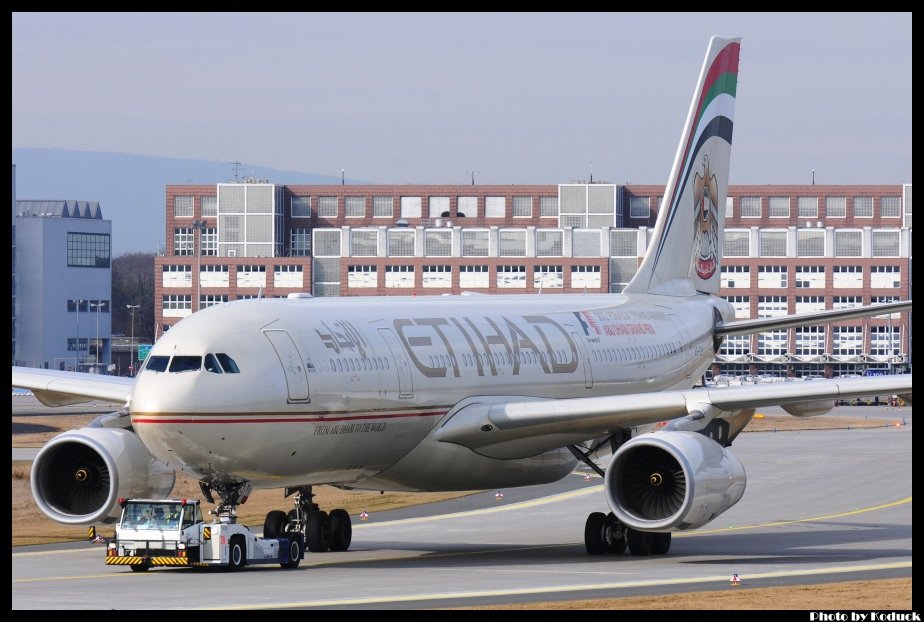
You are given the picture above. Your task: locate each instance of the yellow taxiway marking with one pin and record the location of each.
(371, 600)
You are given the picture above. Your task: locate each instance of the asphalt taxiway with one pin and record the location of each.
(819, 506)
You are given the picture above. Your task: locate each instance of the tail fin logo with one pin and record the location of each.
(706, 246)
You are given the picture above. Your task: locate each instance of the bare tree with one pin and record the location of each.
(133, 284)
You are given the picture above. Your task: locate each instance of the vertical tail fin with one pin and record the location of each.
(686, 249)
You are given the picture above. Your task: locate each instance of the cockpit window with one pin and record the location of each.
(157, 363)
(185, 363)
(227, 363)
(211, 364)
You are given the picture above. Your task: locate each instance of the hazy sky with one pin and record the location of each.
(427, 98)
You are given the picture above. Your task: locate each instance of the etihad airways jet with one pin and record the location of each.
(455, 392)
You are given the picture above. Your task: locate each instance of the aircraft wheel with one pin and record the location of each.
(594, 529)
(661, 543)
(317, 532)
(615, 535)
(274, 524)
(639, 541)
(341, 530)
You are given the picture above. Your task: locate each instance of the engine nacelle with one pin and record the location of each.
(79, 476)
(666, 481)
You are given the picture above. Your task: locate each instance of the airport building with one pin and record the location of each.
(62, 285)
(787, 249)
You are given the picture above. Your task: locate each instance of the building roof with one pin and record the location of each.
(60, 209)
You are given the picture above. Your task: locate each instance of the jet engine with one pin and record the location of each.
(666, 481)
(79, 476)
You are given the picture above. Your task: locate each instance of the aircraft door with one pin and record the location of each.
(292, 364)
(399, 358)
(585, 361)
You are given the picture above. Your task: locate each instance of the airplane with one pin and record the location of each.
(461, 392)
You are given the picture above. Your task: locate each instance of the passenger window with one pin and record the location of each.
(211, 364)
(157, 363)
(185, 363)
(227, 363)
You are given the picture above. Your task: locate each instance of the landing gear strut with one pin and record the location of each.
(231, 495)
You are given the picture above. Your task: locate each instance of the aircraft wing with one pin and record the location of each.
(747, 327)
(61, 388)
(510, 427)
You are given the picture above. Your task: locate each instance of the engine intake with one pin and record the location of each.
(665, 481)
(79, 476)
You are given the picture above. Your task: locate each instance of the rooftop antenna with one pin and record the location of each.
(236, 167)
(472, 175)
(591, 171)
(813, 177)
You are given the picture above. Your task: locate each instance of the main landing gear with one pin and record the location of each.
(604, 533)
(323, 532)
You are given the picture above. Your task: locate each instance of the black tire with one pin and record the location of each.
(140, 567)
(661, 543)
(317, 532)
(295, 553)
(237, 554)
(614, 537)
(341, 530)
(274, 524)
(594, 528)
(639, 541)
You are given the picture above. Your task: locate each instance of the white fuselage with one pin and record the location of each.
(347, 391)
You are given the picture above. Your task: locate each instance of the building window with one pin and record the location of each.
(88, 250)
(772, 243)
(885, 277)
(72, 306)
(495, 207)
(473, 277)
(847, 277)
(779, 207)
(399, 277)
(848, 243)
(806, 304)
(885, 243)
(807, 207)
(437, 276)
(383, 207)
(410, 207)
(548, 207)
(741, 305)
(772, 276)
(474, 243)
(83, 345)
(810, 341)
(548, 277)
(522, 207)
(812, 277)
(362, 276)
(176, 276)
(401, 242)
(736, 345)
(288, 276)
(327, 242)
(364, 242)
(623, 243)
(439, 207)
(847, 341)
(209, 206)
(585, 243)
(208, 242)
(467, 207)
(184, 244)
(736, 277)
(511, 277)
(210, 300)
(300, 242)
(355, 207)
(177, 305)
(548, 243)
(327, 207)
(88, 305)
(810, 243)
(879, 300)
(729, 206)
(251, 276)
(884, 341)
(301, 207)
(772, 343)
(585, 277)
(890, 207)
(737, 243)
(839, 303)
(639, 207)
(213, 276)
(511, 243)
(750, 207)
(183, 207)
(836, 207)
(863, 207)
(438, 243)
(622, 269)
